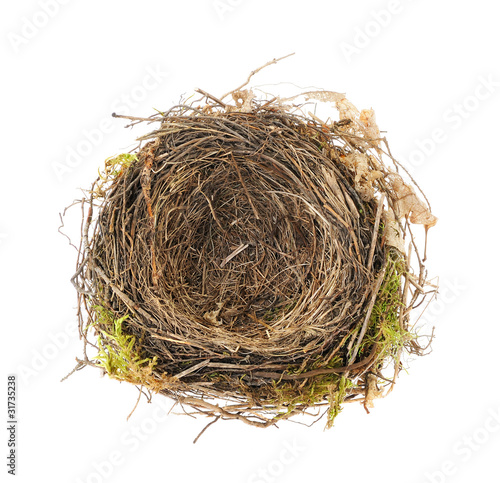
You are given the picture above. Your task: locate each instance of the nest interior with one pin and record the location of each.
(235, 256)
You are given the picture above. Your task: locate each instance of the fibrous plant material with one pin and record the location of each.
(251, 261)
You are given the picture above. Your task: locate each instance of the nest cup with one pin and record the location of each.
(252, 262)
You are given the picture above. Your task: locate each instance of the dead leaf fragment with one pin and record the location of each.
(408, 203)
(393, 236)
(371, 392)
(367, 120)
(243, 100)
(364, 176)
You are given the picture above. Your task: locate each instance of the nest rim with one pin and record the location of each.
(265, 382)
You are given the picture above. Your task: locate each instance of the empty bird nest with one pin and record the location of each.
(251, 261)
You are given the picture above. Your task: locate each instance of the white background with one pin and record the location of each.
(428, 68)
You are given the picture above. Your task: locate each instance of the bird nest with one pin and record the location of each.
(251, 261)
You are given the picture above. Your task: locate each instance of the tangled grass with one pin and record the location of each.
(254, 256)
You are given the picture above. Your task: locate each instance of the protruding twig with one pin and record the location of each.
(274, 61)
(210, 96)
(80, 365)
(205, 428)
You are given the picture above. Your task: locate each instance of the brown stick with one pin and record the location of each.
(318, 372)
(368, 313)
(375, 231)
(274, 61)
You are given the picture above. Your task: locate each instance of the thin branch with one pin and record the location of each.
(375, 231)
(376, 289)
(210, 96)
(205, 428)
(274, 61)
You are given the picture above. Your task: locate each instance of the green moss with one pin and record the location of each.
(116, 165)
(385, 327)
(118, 354)
(296, 395)
(336, 400)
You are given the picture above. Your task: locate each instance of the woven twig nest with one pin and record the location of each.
(252, 262)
